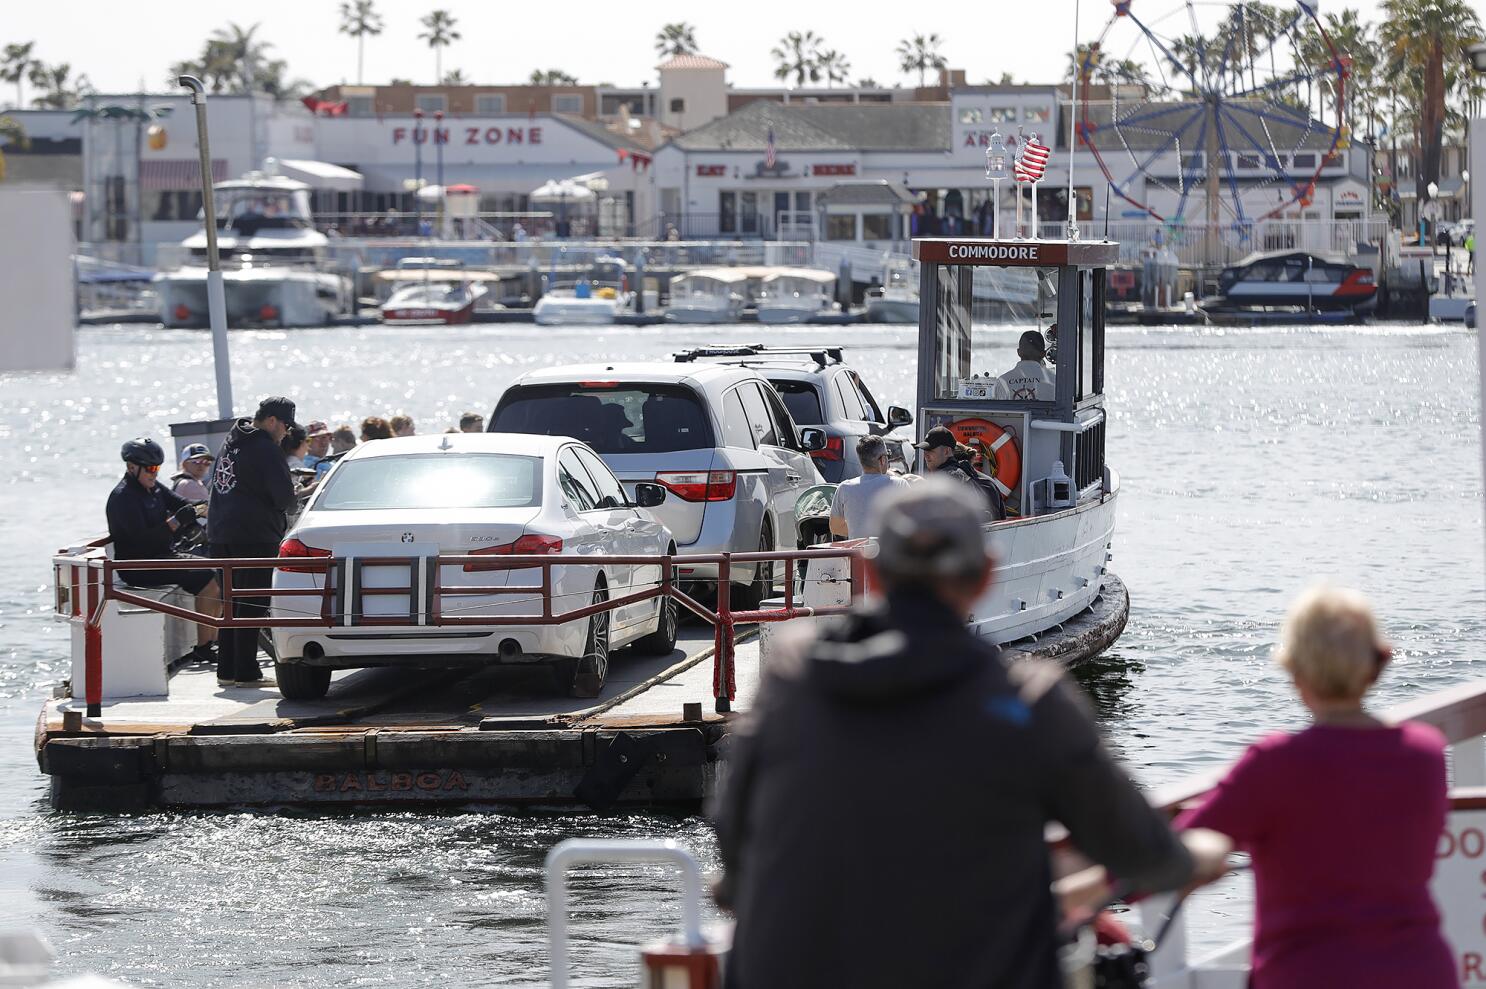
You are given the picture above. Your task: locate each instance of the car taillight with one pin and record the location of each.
(531, 544)
(293, 547)
(835, 449)
(701, 485)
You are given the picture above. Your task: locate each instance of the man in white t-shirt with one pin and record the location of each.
(852, 505)
(1031, 380)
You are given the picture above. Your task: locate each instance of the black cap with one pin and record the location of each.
(1031, 346)
(938, 436)
(277, 406)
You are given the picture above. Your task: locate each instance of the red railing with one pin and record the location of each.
(93, 578)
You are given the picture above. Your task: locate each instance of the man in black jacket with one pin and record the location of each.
(251, 493)
(881, 817)
(941, 456)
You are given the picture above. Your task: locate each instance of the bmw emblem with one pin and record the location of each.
(407, 537)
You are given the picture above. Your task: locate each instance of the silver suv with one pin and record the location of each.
(717, 438)
(820, 389)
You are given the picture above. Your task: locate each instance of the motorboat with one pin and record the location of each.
(896, 299)
(594, 299)
(1299, 279)
(1046, 457)
(432, 290)
(274, 269)
(796, 295)
(708, 295)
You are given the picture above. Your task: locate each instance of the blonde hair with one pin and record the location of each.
(1330, 643)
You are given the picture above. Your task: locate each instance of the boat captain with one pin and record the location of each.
(1031, 380)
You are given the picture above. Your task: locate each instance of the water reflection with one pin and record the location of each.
(1110, 680)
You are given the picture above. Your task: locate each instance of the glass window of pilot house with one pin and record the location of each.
(360, 106)
(841, 226)
(1037, 114)
(877, 226)
(1002, 115)
(431, 102)
(490, 103)
(971, 115)
(567, 103)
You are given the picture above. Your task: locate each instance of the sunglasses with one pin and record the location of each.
(150, 470)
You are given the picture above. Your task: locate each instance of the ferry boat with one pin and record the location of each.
(896, 299)
(708, 295)
(796, 295)
(1047, 457)
(592, 300)
(432, 290)
(274, 268)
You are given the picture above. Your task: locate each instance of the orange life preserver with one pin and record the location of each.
(1003, 460)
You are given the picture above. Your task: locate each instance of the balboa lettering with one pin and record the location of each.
(993, 252)
(395, 782)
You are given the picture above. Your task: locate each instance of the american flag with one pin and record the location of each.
(1032, 162)
(769, 156)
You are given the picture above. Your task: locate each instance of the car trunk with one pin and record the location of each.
(682, 517)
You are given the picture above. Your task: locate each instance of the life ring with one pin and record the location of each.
(1003, 459)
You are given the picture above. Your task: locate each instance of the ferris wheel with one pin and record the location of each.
(1242, 107)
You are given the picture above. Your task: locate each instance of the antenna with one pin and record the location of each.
(1072, 147)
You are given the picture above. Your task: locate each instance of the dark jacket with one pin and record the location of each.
(137, 520)
(251, 489)
(881, 814)
(964, 470)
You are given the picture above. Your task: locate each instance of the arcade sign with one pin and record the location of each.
(529, 134)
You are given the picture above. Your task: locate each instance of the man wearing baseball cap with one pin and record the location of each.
(885, 799)
(188, 483)
(317, 433)
(251, 493)
(941, 457)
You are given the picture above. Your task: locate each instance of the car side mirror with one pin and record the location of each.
(812, 439)
(648, 494)
(898, 416)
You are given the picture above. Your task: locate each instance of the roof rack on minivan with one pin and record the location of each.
(742, 352)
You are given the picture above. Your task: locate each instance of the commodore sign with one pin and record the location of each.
(943, 250)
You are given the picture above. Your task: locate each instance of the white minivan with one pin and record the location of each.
(717, 438)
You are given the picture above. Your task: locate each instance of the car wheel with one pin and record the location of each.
(298, 682)
(661, 642)
(753, 594)
(593, 666)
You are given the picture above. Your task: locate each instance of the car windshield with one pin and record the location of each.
(802, 400)
(611, 417)
(466, 480)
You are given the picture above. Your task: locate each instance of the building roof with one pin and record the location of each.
(825, 127)
(879, 193)
(599, 132)
(690, 61)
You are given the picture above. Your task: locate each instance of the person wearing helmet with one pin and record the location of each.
(143, 519)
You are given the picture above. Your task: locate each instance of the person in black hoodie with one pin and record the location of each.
(251, 492)
(881, 818)
(941, 452)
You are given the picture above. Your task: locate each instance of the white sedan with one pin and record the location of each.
(457, 494)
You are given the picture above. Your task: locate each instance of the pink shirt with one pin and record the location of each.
(1342, 825)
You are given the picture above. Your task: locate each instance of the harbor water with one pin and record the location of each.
(1253, 462)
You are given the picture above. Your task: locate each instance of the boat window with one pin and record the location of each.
(576, 483)
(981, 313)
(759, 420)
(735, 429)
(610, 491)
(802, 400)
(1293, 270)
(1090, 333)
(627, 417)
(478, 480)
(1263, 271)
(846, 394)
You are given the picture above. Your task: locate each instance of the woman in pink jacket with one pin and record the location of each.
(1341, 819)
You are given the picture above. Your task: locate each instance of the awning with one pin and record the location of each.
(178, 174)
(320, 174)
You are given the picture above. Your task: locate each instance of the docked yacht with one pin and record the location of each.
(1047, 457)
(1294, 279)
(708, 295)
(594, 299)
(896, 299)
(432, 290)
(274, 268)
(796, 295)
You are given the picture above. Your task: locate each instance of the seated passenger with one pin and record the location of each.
(143, 519)
(1031, 380)
(196, 460)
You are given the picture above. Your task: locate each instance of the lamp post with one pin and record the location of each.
(417, 172)
(438, 151)
(216, 297)
(996, 170)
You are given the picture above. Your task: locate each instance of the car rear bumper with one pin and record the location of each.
(346, 648)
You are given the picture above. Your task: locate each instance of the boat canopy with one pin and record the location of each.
(727, 276)
(414, 275)
(318, 174)
(800, 274)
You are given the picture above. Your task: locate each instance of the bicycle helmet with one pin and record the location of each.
(143, 451)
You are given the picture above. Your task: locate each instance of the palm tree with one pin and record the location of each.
(1428, 40)
(440, 34)
(676, 39)
(11, 132)
(552, 77)
(358, 19)
(15, 65)
(867, 82)
(920, 53)
(835, 66)
(58, 91)
(454, 77)
(249, 56)
(798, 55)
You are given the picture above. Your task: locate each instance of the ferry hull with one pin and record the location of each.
(785, 314)
(699, 314)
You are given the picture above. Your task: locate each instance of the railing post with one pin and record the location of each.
(93, 641)
(722, 638)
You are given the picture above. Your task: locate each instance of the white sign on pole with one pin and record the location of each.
(1459, 889)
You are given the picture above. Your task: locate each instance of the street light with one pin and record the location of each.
(417, 172)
